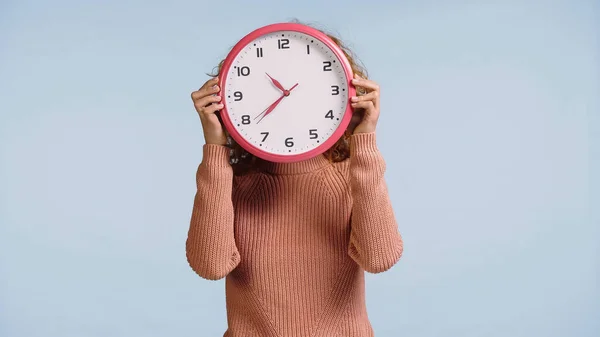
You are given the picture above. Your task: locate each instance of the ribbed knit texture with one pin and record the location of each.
(294, 240)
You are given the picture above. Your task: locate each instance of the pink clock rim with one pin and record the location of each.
(338, 53)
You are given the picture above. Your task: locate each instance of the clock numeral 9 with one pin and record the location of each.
(313, 133)
(243, 71)
(289, 142)
(329, 114)
(238, 96)
(266, 135)
(335, 90)
(283, 44)
(326, 66)
(245, 119)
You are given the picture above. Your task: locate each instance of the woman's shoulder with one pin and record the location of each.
(342, 167)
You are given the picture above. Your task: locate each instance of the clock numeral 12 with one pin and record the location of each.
(283, 44)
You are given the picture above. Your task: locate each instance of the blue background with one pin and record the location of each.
(489, 129)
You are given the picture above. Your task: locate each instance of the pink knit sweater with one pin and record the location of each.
(294, 240)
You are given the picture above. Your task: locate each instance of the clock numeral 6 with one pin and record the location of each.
(243, 71)
(329, 114)
(238, 96)
(266, 135)
(335, 90)
(245, 119)
(326, 66)
(289, 142)
(283, 44)
(313, 133)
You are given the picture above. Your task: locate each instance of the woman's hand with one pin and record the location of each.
(207, 102)
(366, 107)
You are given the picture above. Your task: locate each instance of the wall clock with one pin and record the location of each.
(286, 90)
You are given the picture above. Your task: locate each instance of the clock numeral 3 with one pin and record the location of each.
(335, 90)
(289, 142)
(243, 71)
(313, 133)
(329, 114)
(326, 66)
(259, 52)
(283, 44)
(245, 119)
(238, 96)
(266, 135)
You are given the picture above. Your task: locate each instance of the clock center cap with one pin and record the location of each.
(286, 93)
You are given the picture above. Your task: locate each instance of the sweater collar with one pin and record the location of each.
(299, 167)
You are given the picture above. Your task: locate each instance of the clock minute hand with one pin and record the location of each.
(269, 108)
(272, 106)
(287, 92)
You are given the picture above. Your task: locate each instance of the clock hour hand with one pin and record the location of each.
(276, 82)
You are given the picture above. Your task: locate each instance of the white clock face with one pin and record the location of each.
(308, 114)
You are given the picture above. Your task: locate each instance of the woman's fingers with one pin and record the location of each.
(372, 96)
(209, 110)
(205, 101)
(367, 84)
(208, 88)
(210, 83)
(368, 100)
(367, 105)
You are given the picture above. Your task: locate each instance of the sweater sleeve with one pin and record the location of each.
(375, 242)
(210, 247)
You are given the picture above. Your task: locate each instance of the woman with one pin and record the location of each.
(293, 240)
